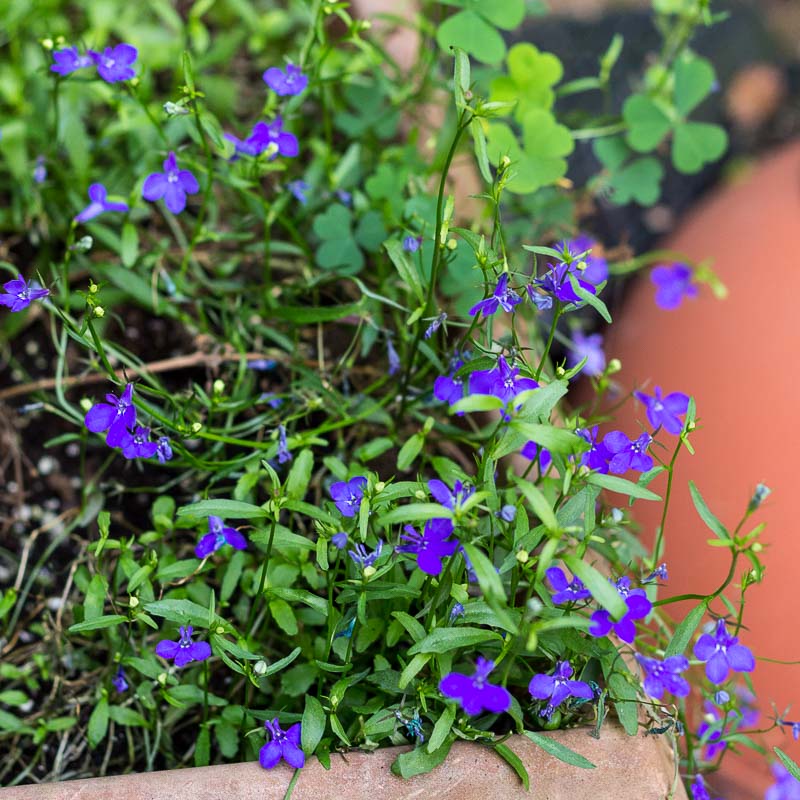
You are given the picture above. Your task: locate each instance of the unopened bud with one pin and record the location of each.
(505, 162)
(615, 365)
(260, 667)
(691, 425)
(419, 494)
(451, 244)
(99, 311)
(162, 678)
(560, 372)
(757, 547)
(93, 287)
(523, 556)
(369, 572)
(218, 386)
(379, 487)
(47, 44)
(197, 427)
(133, 601)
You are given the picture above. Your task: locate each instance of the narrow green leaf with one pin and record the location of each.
(223, 508)
(313, 725)
(277, 666)
(560, 751)
(794, 770)
(441, 730)
(592, 299)
(714, 525)
(202, 747)
(412, 669)
(477, 402)
(515, 762)
(685, 631)
(419, 761)
(621, 486)
(443, 640)
(107, 621)
(98, 723)
(489, 580)
(406, 269)
(300, 475)
(409, 452)
(602, 591)
(415, 512)
(539, 503)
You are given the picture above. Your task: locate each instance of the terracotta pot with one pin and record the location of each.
(738, 358)
(639, 768)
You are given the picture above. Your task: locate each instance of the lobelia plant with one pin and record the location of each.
(369, 507)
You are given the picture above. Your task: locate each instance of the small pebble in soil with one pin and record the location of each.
(31, 347)
(73, 449)
(46, 465)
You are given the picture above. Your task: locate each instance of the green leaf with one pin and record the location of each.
(638, 182)
(129, 241)
(530, 80)
(419, 761)
(98, 723)
(477, 402)
(412, 669)
(313, 725)
(181, 611)
(488, 579)
(441, 730)
(604, 592)
(284, 616)
(409, 452)
(300, 475)
(304, 315)
(127, 717)
(473, 34)
(481, 151)
(694, 79)
(370, 232)
(556, 440)
(621, 486)
(202, 747)
(560, 751)
(444, 640)
(696, 144)
(310, 599)
(647, 123)
(223, 508)
(714, 525)
(107, 621)
(406, 268)
(539, 503)
(227, 739)
(414, 513)
(588, 297)
(685, 631)
(461, 76)
(95, 598)
(277, 666)
(624, 691)
(515, 762)
(794, 770)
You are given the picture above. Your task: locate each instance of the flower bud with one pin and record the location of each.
(614, 365)
(379, 487)
(218, 386)
(47, 44)
(451, 244)
(133, 601)
(523, 556)
(369, 572)
(260, 667)
(505, 162)
(162, 679)
(93, 287)
(99, 311)
(197, 427)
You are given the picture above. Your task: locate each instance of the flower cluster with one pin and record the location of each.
(114, 64)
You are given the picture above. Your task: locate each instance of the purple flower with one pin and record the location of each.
(714, 743)
(262, 364)
(299, 190)
(362, 557)
(596, 270)
(502, 297)
(672, 285)
(184, 650)
(600, 623)
(532, 451)
(597, 456)
(698, 789)
(660, 573)
(283, 745)
(456, 612)
(163, 449)
(502, 381)
(218, 536)
(283, 448)
(412, 243)
(566, 591)
(99, 204)
(394, 358)
(665, 411)
(450, 499)
(119, 682)
(348, 495)
(786, 786)
(475, 693)
(115, 64)
(661, 676)
(40, 170)
(625, 454)
(588, 347)
(556, 688)
(431, 546)
(136, 443)
(795, 726)
(448, 388)
(435, 325)
(116, 415)
(286, 83)
(68, 60)
(19, 294)
(267, 136)
(722, 652)
(556, 283)
(507, 513)
(172, 184)
(339, 540)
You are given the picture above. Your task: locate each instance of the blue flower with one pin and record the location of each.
(588, 347)
(722, 652)
(40, 170)
(660, 573)
(450, 499)
(665, 412)
(625, 453)
(299, 189)
(283, 448)
(68, 60)
(600, 623)
(348, 495)
(119, 682)
(786, 786)
(474, 693)
(556, 283)
(795, 726)
(502, 381)
(556, 688)
(285, 83)
(98, 204)
(19, 294)
(431, 546)
(394, 359)
(435, 325)
(533, 452)
(597, 456)
(172, 184)
(596, 269)
(136, 443)
(566, 591)
(412, 243)
(456, 612)
(184, 650)
(502, 297)
(163, 449)
(283, 745)
(218, 536)
(507, 513)
(362, 557)
(339, 540)
(661, 676)
(448, 388)
(115, 63)
(672, 284)
(116, 415)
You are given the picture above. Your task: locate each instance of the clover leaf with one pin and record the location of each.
(540, 160)
(531, 76)
(338, 251)
(474, 28)
(636, 181)
(649, 120)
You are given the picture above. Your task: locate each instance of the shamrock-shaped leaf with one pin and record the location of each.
(647, 122)
(531, 76)
(636, 181)
(541, 158)
(694, 80)
(697, 144)
(338, 250)
(370, 233)
(370, 112)
(474, 28)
